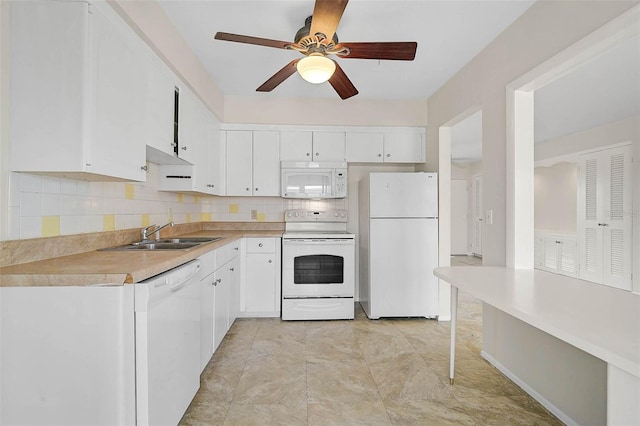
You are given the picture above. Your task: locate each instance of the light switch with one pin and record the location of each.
(488, 217)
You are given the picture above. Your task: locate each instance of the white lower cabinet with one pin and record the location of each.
(68, 355)
(261, 282)
(220, 294)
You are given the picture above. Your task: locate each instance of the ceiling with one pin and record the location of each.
(449, 34)
(602, 91)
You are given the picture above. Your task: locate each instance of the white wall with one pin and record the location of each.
(556, 198)
(545, 30)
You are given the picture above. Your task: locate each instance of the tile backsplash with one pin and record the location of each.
(44, 206)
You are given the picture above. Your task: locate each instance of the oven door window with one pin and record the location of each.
(318, 269)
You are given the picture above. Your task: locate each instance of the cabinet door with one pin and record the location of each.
(261, 293)
(118, 80)
(48, 68)
(403, 148)
(239, 162)
(160, 105)
(205, 137)
(364, 147)
(207, 320)
(234, 289)
(329, 146)
(266, 163)
(220, 305)
(296, 146)
(189, 124)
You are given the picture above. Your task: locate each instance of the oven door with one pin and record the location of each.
(318, 267)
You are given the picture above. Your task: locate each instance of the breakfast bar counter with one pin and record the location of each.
(599, 320)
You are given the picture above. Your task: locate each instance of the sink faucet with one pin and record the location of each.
(156, 230)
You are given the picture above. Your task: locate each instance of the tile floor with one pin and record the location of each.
(360, 372)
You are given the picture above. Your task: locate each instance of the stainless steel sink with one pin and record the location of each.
(164, 244)
(198, 240)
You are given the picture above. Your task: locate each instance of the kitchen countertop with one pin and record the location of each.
(601, 320)
(116, 267)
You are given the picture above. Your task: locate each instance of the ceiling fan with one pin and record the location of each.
(316, 41)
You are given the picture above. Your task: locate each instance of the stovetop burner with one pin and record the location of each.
(316, 224)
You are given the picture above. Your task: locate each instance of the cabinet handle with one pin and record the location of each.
(603, 224)
(144, 168)
(216, 282)
(317, 154)
(308, 154)
(231, 269)
(379, 155)
(247, 189)
(184, 148)
(388, 155)
(256, 189)
(235, 248)
(260, 245)
(270, 261)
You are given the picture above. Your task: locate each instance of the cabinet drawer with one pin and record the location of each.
(208, 262)
(225, 253)
(261, 245)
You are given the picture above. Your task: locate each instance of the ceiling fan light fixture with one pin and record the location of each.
(316, 68)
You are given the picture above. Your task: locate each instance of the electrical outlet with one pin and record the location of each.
(254, 214)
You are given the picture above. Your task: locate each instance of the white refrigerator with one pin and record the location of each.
(398, 244)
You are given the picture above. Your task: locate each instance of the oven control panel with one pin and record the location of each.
(315, 216)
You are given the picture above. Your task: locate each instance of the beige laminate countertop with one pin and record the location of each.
(115, 267)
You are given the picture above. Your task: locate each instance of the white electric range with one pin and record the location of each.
(318, 266)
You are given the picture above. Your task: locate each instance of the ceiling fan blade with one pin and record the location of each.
(278, 77)
(395, 50)
(342, 84)
(252, 40)
(326, 17)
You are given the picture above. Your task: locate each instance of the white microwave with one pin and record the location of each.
(315, 180)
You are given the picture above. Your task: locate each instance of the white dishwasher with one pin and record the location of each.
(167, 323)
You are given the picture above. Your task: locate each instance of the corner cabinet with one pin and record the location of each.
(385, 147)
(253, 163)
(82, 76)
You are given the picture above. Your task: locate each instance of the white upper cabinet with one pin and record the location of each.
(160, 108)
(296, 145)
(400, 147)
(209, 166)
(365, 147)
(329, 146)
(266, 163)
(189, 125)
(81, 76)
(253, 163)
(387, 147)
(239, 162)
(312, 146)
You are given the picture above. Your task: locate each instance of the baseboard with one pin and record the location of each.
(274, 314)
(528, 389)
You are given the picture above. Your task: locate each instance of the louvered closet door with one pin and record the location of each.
(589, 205)
(617, 224)
(604, 222)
